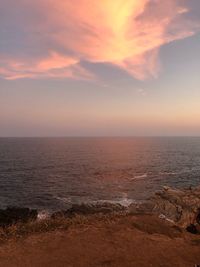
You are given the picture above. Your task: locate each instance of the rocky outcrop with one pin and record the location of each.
(13, 215)
(179, 206)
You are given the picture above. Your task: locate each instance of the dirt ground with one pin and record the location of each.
(139, 241)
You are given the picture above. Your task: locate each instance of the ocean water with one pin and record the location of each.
(52, 173)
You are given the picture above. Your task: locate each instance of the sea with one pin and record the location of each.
(53, 173)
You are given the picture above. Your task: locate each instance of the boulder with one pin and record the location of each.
(13, 215)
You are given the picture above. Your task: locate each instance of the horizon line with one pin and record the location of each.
(102, 136)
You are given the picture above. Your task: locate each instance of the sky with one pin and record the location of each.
(99, 68)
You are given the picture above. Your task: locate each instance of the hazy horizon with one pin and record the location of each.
(103, 136)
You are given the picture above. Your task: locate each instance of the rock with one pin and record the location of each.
(88, 209)
(143, 207)
(13, 215)
(181, 206)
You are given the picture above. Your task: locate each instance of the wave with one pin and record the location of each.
(123, 200)
(64, 199)
(141, 176)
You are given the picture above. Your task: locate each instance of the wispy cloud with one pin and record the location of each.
(60, 34)
(54, 66)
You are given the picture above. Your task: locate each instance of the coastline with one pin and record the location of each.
(180, 207)
(152, 233)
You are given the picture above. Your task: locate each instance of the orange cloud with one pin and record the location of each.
(125, 33)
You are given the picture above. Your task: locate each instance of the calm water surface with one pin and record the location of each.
(51, 173)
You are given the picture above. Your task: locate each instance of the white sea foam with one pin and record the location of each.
(137, 177)
(125, 202)
(64, 199)
(42, 215)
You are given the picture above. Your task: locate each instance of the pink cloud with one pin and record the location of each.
(127, 34)
(54, 66)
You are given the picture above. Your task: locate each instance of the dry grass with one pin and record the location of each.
(20, 230)
(33, 227)
(98, 240)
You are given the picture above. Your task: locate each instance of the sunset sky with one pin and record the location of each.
(99, 68)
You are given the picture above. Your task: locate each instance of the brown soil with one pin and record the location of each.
(139, 241)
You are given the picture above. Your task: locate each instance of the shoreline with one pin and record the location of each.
(174, 205)
(152, 233)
